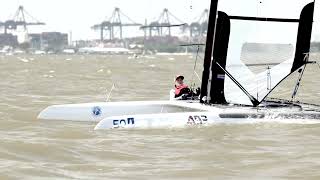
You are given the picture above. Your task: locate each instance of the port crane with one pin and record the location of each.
(21, 18)
(118, 20)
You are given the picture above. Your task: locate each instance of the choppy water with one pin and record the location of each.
(33, 149)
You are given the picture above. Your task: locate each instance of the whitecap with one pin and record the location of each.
(24, 60)
(150, 57)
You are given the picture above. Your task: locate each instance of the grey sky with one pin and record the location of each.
(79, 15)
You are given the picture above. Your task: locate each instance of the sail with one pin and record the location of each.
(265, 44)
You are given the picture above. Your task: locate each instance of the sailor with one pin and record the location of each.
(180, 87)
(182, 91)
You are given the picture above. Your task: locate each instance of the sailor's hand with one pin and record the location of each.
(184, 96)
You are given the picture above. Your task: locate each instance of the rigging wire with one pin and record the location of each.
(193, 84)
(109, 95)
(301, 71)
(258, 2)
(318, 64)
(268, 79)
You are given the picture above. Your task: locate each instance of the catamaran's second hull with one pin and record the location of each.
(95, 112)
(159, 114)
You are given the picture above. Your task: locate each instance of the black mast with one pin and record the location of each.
(209, 48)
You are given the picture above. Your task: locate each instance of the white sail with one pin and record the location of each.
(260, 53)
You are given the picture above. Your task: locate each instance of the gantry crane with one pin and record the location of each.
(115, 21)
(164, 22)
(20, 19)
(199, 27)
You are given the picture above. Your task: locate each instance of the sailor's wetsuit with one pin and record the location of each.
(178, 90)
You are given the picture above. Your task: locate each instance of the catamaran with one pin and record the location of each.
(246, 58)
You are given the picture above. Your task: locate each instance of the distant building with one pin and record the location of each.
(82, 43)
(35, 41)
(54, 41)
(8, 40)
(49, 41)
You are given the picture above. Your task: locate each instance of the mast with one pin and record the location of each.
(206, 84)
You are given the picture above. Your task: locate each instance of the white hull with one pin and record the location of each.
(189, 119)
(95, 112)
(166, 120)
(158, 114)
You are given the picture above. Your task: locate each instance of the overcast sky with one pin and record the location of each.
(79, 15)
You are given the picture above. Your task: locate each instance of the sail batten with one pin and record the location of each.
(247, 18)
